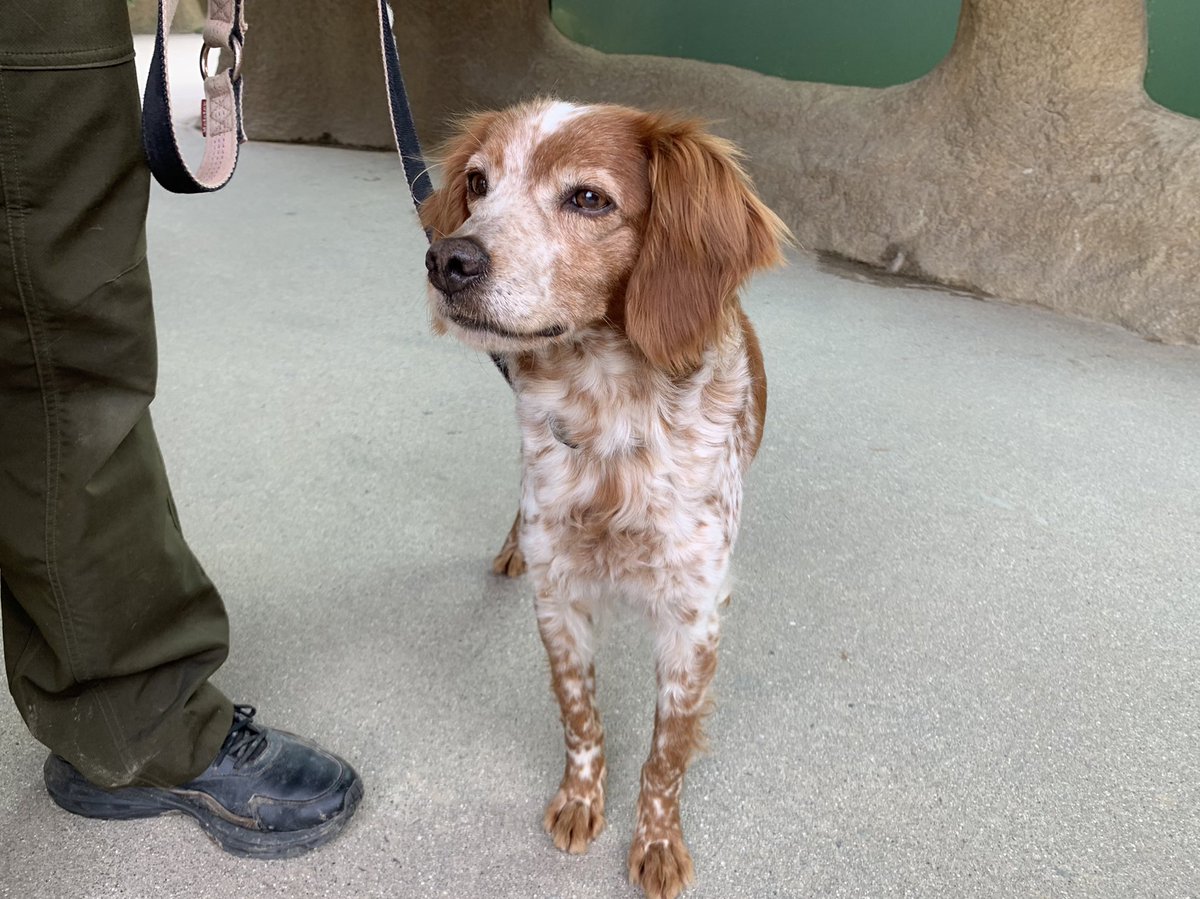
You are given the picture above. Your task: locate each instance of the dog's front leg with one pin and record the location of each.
(575, 816)
(686, 660)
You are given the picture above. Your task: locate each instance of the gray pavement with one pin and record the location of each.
(961, 659)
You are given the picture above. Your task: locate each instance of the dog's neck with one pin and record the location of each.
(597, 394)
(600, 359)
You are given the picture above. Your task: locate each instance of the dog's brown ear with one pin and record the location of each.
(706, 232)
(445, 210)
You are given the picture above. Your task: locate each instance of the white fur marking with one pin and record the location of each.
(556, 115)
(582, 760)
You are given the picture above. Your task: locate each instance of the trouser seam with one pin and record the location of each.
(44, 365)
(102, 49)
(61, 66)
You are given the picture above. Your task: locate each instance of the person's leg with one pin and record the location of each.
(111, 628)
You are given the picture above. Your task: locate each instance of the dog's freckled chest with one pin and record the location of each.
(622, 466)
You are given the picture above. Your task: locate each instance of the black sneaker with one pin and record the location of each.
(268, 794)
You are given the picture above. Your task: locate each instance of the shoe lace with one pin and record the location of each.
(246, 740)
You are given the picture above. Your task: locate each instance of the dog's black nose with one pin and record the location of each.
(456, 263)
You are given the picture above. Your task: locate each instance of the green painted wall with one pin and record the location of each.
(1173, 75)
(865, 42)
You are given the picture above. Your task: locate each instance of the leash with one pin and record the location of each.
(221, 110)
(405, 132)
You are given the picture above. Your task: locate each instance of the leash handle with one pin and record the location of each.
(220, 113)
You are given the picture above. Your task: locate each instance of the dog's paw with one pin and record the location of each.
(662, 868)
(573, 822)
(510, 561)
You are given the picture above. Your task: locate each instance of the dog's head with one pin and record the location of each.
(554, 217)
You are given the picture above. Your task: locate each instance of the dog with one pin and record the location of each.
(595, 251)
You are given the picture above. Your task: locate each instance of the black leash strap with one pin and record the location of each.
(403, 128)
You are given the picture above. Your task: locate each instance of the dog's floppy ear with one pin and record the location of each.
(445, 210)
(706, 231)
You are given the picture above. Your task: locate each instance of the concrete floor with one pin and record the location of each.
(961, 660)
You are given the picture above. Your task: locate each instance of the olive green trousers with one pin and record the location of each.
(111, 627)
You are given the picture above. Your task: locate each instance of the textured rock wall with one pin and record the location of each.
(1030, 164)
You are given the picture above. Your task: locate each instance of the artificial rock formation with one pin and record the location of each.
(1030, 164)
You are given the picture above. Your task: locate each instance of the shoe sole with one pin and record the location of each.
(74, 794)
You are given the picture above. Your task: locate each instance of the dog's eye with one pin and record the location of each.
(590, 200)
(477, 184)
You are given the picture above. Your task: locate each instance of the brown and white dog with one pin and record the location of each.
(597, 251)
